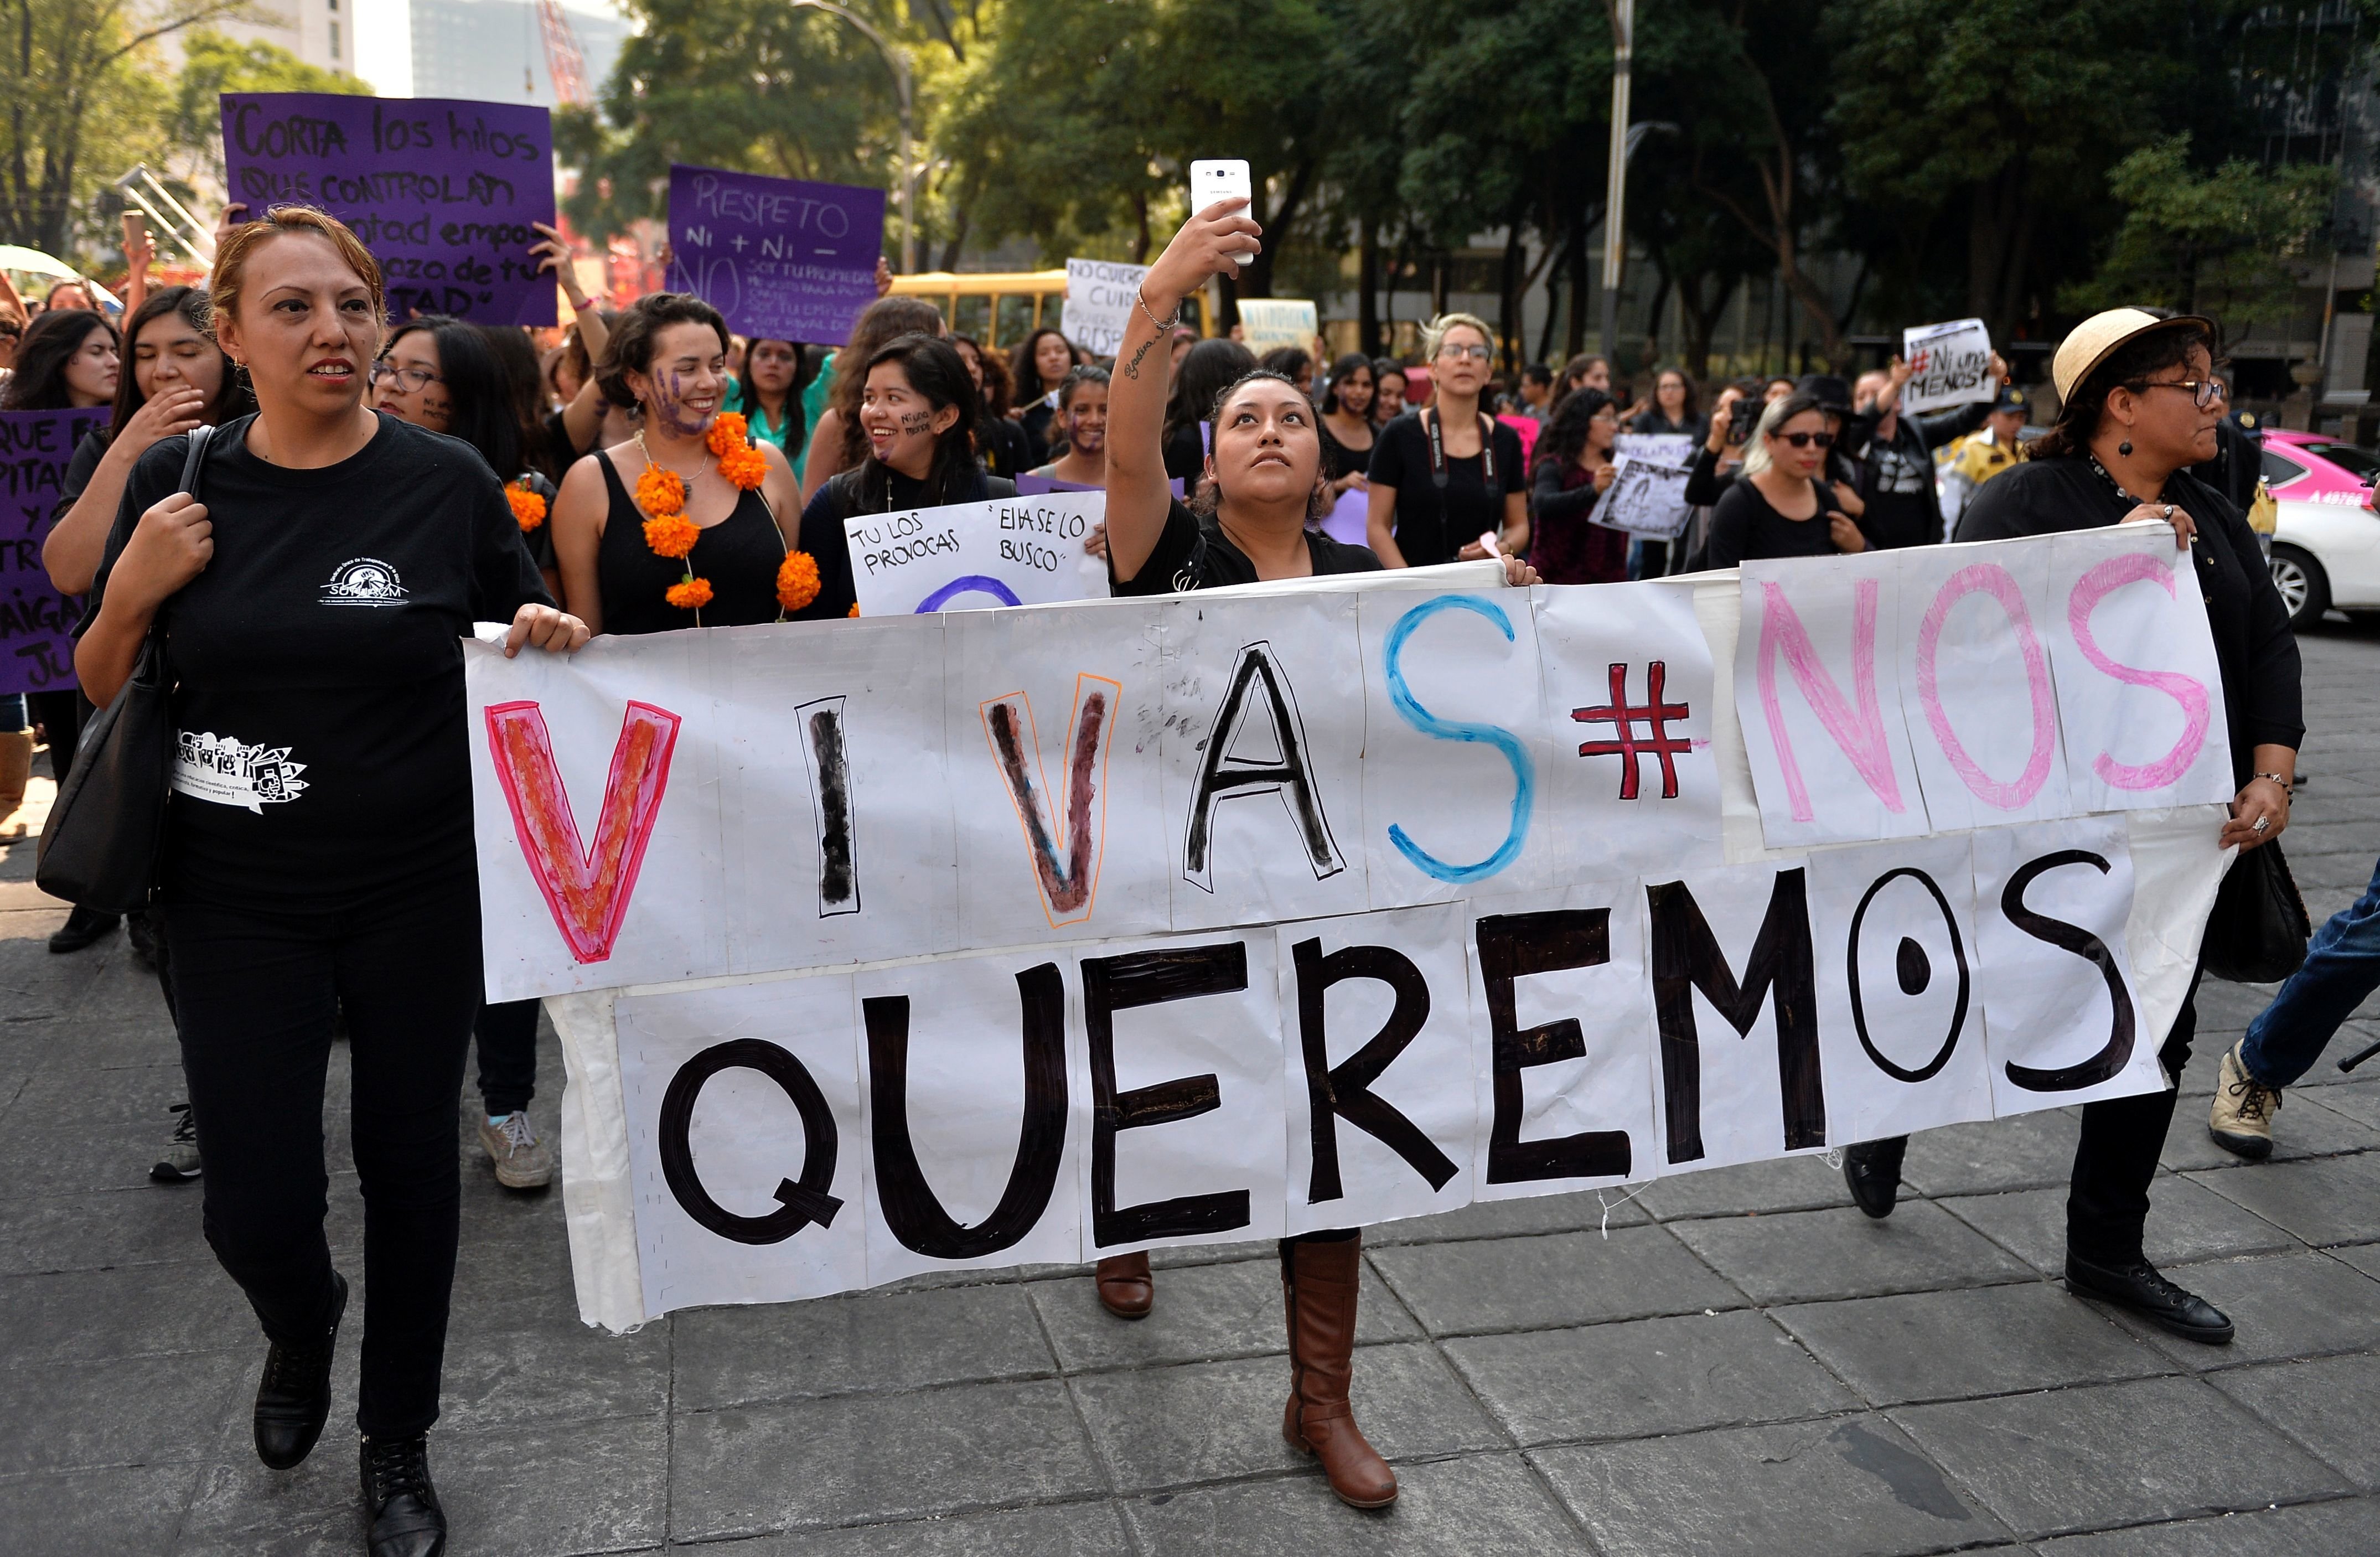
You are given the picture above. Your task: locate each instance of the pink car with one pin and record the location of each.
(2327, 543)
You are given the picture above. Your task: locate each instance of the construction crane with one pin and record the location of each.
(563, 63)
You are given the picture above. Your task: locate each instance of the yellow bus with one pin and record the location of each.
(1000, 308)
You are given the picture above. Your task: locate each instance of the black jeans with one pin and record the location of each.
(507, 1035)
(60, 713)
(2108, 1202)
(254, 994)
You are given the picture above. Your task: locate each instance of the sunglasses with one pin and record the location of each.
(1804, 440)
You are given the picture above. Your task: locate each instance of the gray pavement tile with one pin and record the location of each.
(2323, 1529)
(511, 1378)
(757, 1469)
(1209, 1421)
(2186, 1221)
(1802, 1256)
(1203, 1313)
(2326, 1201)
(1644, 1376)
(1563, 1279)
(2363, 1257)
(60, 1159)
(58, 1103)
(1946, 1346)
(2027, 1151)
(2282, 1306)
(1811, 1489)
(1578, 1211)
(2081, 1459)
(2358, 1102)
(124, 1512)
(1480, 1505)
(89, 1315)
(137, 1226)
(2224, 1007)
(1078, 1529)
(868, 1342)
(2307, 1129)
(128, 1411)
(1791, 1184)
(2330, 1406)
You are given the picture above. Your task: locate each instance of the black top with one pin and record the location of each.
(560, 451)
(1185, 456)
(1653, 422)
(1194, 553)
(1704, 485)
(1004, 450)
(1433, 526)
(1338, 459)
(1744, 528)
(2236, 465)
(2262, 701)
(739, 556)
(823, 539)
(1038, 418)
(1897, 474)
(84, 464)
(323, 751)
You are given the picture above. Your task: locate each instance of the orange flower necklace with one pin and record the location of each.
(528, 508)
(660, 495)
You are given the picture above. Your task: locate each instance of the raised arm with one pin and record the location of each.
(1138, 497)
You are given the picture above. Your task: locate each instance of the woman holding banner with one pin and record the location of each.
(682, 525)
(288, 900)
(1446, 478)
(1573, 469)
(2139, 405)
(1253, 519)
(1083, 419)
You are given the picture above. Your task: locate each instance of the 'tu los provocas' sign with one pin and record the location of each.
(1261, 911)
(441, 190)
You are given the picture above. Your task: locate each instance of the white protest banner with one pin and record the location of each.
(1011, 551)
(1949, 365)
(1267, 323)
(1644, 498)
(948, 941)
(1673, 449)
(1100, 302)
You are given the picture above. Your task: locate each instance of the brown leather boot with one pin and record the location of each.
(1319, 1280)
(1126, 1289)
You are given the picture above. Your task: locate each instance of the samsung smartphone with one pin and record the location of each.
(1225, 178)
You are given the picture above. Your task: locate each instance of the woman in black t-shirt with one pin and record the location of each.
(1265, 486)
(1443, 476)
(623, 569)
(318, 852)
(1777, 508)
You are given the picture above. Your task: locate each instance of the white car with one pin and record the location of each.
(2327, 543)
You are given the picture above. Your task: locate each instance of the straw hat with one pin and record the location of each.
(2089, 342)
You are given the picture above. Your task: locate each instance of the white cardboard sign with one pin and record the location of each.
(1644, 498)
(1949, 365)
(1100, 301)
(970, 556)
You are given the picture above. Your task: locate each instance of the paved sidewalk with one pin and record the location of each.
(1745, 1363)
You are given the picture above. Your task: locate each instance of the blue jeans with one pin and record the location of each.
(2342, 966)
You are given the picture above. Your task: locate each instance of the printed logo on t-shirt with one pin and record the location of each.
(230, 772)
(363, 581)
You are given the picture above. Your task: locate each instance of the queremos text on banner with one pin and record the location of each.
(942, 941)
(37, 624)
(441, 190)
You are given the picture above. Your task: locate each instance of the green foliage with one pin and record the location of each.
(2227, 243)
(214, 64)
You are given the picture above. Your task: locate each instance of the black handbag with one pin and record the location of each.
(101, 844)
(2257, 934)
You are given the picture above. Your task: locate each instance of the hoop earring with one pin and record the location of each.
(2124, 449)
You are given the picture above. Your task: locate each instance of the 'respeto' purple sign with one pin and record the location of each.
(442, 190)
(36, 623)
(781, 258)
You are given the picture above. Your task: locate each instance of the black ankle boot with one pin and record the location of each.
(1872, 1169)
(294, 1400)
(399, 1500)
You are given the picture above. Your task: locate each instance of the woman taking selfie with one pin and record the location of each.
(1573, 470)
(682, 525)
(1447, 474)
(1252, 519)
(1347, 432)
(1778, 507)
(917, 409)
(314, 595)
(1082, 426)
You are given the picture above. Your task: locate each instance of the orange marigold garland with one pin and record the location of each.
(671, 535)
(729, 432)
(854, 609)
(797, 580)
(528, 508)
(660, 495)
(691, 595)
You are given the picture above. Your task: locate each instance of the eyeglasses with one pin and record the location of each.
(2202, 392)
(1477, 353)
(413, 380)
(1804, 440)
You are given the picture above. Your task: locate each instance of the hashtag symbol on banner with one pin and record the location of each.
(1623, 719)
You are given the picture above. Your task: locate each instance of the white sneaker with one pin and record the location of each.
(522, 1160)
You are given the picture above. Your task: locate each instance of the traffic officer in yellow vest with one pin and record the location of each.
(1969, 462)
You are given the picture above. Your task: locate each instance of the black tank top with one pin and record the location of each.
(739, 556)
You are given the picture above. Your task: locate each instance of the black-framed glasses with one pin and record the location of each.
(1804, 440)
(2202, 392)
(413, 380)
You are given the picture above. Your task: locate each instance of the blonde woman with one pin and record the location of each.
(1444, 477)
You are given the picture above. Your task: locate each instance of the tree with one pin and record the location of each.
(2227, 244)
(69, 73)
(214, 64)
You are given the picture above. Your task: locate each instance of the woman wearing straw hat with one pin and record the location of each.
(2141, 404)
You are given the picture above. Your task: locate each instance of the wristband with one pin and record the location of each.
(1150, 315)
(2274, 777)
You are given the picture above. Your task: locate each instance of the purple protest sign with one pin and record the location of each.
(782, 259)
(36, 624)
(441, 190)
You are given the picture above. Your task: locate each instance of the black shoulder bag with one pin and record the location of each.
(2258, 931)
(101, 844)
